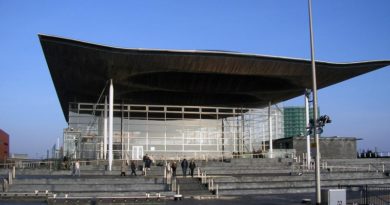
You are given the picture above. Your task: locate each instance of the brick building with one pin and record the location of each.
(4, 145)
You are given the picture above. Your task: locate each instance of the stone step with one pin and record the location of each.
(304, 176)
(116, 194)
(293, 184)
(192, 187)
(97, 180)
(231, 192)
(87, 187)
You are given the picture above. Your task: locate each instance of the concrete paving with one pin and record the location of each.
(272, 199)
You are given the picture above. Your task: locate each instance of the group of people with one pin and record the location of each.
(124, 168)
(147, 161)
(171, 167)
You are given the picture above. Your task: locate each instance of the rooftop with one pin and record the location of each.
(80, 71)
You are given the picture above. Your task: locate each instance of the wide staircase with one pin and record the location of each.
(95, 185)
(211, 178)
(279, 176)
(193, 188)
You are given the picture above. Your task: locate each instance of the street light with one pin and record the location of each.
(315, 110)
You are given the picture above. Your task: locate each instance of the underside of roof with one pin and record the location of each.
(80, 71)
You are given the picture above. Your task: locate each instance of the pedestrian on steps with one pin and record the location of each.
(132, 166)
(173, 166)
(192, 167)
(123, 168)
(184, 166)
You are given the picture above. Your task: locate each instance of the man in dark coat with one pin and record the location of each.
(184, 166)
(132, 166)
(192, 167)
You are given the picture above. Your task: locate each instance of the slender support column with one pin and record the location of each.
(315, 109)
(110, 125)
(270, 131)
(308, 156)
(105, 132)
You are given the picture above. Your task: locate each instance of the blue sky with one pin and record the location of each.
(345, 31)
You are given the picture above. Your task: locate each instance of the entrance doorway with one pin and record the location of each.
(137, 153)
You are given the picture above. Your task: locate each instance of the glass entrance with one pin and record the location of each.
(138, 153)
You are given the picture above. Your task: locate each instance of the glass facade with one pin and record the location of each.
(166, 132)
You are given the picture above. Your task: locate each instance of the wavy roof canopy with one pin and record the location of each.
(175, 77)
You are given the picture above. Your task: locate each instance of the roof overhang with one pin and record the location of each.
(80, 71)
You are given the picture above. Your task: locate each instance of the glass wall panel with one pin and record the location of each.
(171, 131)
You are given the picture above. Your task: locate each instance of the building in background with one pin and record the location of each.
(295, 121)
(177, 103)
(4, 146)
(331, 147)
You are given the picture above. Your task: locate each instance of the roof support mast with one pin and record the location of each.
(110, 124)
(308, 155)
(105, 130)
(270, 131)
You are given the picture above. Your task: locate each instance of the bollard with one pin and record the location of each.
(369, 167)
(178, 189)
(9, 177)
(383, 168)
(165, 173)
(13, 172)
(5, 185)
(208, 184)
(212, 184)
(216, 192)
(198, 172)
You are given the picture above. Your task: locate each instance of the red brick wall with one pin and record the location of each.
(4, 145)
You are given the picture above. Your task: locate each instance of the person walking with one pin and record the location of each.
(77, 168)
(173, 166)
(132, 166)
(192, 167)
(184, 166)
(123, 168)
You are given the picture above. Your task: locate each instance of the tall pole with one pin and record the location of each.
(308, 157)
(110, 124)
(270, 131)
(105, 131)
(315, 110)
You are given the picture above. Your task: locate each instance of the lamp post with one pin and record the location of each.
(315, 110)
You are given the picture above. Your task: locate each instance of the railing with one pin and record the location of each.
(381, 167)
(208, 182)
(367, 194)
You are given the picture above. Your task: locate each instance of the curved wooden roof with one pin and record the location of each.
(80, 70)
